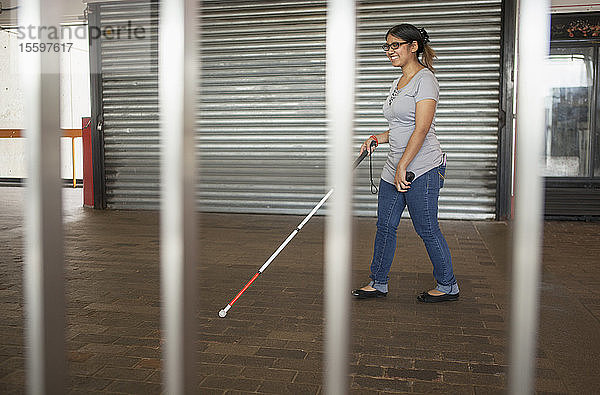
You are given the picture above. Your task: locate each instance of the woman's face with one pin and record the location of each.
(404, 52)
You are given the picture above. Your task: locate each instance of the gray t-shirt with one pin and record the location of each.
(399, 109)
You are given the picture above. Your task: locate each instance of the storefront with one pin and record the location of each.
(572, 146)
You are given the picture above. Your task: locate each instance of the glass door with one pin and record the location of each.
(569, 112)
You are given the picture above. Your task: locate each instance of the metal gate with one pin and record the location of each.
(261, 106)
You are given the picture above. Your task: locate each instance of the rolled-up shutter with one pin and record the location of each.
(261, 104)
(262, 128)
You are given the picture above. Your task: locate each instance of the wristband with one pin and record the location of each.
(374, 138)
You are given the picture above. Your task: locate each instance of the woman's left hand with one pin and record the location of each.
(400, 182)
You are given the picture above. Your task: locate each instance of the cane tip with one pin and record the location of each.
(222, 313)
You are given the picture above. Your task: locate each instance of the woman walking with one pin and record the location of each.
(414, 147)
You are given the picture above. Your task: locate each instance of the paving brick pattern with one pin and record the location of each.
(271, 340)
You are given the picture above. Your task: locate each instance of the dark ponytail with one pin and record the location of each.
(410, 33)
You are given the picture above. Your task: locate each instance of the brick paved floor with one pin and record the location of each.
(271, 341)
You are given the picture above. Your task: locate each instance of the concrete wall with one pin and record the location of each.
(74, 104)
(11, 97)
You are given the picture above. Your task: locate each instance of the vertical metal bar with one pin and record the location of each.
(177, 233)
(97, 116)
(340, 58)
(73, 161)
(533, 46)
(506, 129)
(594, 161)
(44, 260)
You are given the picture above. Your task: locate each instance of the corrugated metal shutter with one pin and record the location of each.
(262, 104)
(261, 117)
(130, 104)
(583, 201)
(466, 36)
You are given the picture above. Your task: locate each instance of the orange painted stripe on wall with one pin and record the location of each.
(18, 133)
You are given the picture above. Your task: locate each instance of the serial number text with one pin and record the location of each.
(45, 47)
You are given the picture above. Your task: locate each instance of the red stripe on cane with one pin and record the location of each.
(244, 289)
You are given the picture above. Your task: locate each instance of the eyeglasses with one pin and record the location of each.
(395, 45)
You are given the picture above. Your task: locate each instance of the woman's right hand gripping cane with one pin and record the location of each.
(378, 139)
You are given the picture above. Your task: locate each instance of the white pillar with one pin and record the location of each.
(177, 233)
(44, 260)
(533, 46)
(341, 47)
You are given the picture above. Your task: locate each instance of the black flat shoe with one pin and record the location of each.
(361, 294)
(426, 297)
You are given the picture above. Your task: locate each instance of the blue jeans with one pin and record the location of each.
(422, 202)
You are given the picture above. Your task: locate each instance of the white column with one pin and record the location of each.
(177, 233)
(44, 260)
(533, 46)
(341, 25)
